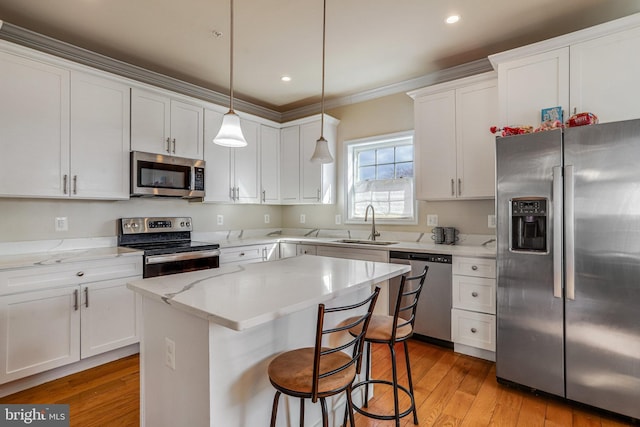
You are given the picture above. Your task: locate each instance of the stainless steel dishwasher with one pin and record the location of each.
(433, 316)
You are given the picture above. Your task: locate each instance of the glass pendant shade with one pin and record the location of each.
(322, 154)
(230, 134)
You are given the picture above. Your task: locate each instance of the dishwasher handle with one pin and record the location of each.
(421, 256)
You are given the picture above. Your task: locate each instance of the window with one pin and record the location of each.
(379, 171)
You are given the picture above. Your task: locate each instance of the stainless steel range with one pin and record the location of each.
(167, 245)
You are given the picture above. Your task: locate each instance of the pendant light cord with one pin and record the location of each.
(324, 30)
(231, 62)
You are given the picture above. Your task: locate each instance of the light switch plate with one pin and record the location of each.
(338, 219)
(303, 218)
(267, 218)
(432, 220)
(491, 221)
(220, 219)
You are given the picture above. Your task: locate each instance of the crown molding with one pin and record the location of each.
(27, 38)
(453, 73)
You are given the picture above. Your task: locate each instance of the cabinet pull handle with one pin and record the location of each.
(453, 187)
(474, 294)
(174, 146)
(474, 330)
(264, 254)
(318, 194)
(75, 300)
(86, 297)
(168, 145)
(264, 196)
(474, 267)
(80, 273)
(75, 184)
(64, 183)
(459, 187)
(241, 253)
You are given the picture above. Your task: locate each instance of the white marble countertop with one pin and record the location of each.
(63, 256)
(244, 296)
(488, 251)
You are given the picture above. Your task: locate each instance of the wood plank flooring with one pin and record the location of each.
(451, 390)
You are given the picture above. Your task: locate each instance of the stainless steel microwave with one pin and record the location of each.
(160, 175)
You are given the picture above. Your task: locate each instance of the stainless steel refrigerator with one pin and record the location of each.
(568, 263)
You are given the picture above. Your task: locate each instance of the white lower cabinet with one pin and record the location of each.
(291, 249)
(249, 254)
(42, 329)
(473, 316)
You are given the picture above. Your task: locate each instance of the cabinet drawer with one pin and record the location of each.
(242, 254)
(479, 267)
(53, 276)
(473, 329)
(474, 293)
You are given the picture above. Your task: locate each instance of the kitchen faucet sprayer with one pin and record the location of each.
(374, 233)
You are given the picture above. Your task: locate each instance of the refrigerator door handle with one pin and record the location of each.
(557, 231)
(569, 232)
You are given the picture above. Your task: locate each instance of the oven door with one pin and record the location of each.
(161, 265)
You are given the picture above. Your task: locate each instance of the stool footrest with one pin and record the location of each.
(368, 414)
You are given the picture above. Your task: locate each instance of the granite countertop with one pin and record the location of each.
(244, 296)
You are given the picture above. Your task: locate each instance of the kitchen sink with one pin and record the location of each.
(366, 242)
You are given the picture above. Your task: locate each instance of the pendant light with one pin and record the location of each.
(321, 154)
(230, 134)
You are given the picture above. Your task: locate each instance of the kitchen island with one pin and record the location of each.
(208, 336)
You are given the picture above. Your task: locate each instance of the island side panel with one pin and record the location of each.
(180, 396)
(240, 389)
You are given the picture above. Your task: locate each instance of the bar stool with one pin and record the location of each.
(319, 372)
(389, 330)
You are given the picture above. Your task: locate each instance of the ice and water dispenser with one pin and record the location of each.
(529, 224)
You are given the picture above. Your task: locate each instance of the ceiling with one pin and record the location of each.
(369, 43)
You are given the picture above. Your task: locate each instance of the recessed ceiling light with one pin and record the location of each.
(285, 78)
(452, 19)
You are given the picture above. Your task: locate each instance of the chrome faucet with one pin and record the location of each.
(374, 233)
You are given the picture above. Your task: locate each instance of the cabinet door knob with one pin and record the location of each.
(474, 267)
(241, 253)
(80, 273)
(474, 330)
(474, 294)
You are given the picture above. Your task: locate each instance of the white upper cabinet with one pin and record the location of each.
(604, 76)
(290, 165)
(593, 70)
(303, 181)
(164, 124)
(270, 164)
(453, 148)
(34, 128)
(100, 117)
(67, 129)
(527, 85)
(232, 174)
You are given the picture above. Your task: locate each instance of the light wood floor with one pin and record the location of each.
(451, 390)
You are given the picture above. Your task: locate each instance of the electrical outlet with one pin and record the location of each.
(170, 353)
(61, 223)
(303, 218)
(491, 221)
(267, 219)
(220, 219)
(338, 219)
(432, 220)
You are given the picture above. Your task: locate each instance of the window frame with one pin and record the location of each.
(349, 175)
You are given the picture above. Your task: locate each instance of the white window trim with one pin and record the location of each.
(348, 175)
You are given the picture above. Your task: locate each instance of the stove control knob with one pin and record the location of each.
(182, 224)
(188, 224)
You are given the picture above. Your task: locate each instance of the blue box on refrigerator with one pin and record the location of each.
(551, 114)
